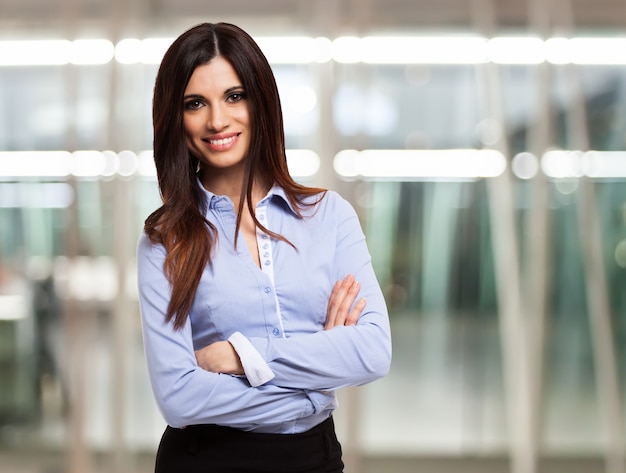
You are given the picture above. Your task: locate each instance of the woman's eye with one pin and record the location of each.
(193, 105)
(236, 97)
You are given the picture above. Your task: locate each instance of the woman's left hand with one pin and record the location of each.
(341, 300)
(219, 357)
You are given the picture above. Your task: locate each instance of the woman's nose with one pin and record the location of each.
(217, 118)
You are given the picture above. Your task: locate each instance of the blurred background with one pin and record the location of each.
(482, 143)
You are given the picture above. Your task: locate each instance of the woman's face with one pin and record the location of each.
(216, 117)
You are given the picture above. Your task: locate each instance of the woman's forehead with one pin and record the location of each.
(216, 75)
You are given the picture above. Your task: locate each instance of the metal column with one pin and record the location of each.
(513, 328)
(607, 379)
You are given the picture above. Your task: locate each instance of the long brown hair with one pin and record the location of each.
(179, 224)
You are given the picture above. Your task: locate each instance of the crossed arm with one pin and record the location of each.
(221, 357)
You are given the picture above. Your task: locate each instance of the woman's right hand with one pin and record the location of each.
(341, 299)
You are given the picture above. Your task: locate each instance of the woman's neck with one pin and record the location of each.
(232, 185)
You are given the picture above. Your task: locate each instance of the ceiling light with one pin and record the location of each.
(420, 164)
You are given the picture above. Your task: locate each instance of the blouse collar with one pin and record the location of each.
(216, 201)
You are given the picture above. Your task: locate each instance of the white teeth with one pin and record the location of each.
(223, 141)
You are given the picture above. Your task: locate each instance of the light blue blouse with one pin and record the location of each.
(274, 317)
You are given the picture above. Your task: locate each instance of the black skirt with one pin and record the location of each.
(217, 449)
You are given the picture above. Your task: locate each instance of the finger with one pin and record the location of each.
(335, 301)
(346, 303)
(342, 300)
(356, 312)
(331, 309)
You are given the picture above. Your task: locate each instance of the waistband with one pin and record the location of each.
(210, 430)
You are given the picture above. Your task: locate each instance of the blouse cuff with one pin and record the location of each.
(254, 366)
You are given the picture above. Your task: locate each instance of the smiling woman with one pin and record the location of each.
(247, 344)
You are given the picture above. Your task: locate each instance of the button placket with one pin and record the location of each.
(267, 263)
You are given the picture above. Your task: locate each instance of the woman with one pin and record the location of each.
(257, 295)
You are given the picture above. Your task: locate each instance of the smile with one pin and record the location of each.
(222, 143)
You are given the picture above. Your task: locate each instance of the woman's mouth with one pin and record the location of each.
(221, 143)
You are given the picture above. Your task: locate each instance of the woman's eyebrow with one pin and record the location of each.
(234, 88)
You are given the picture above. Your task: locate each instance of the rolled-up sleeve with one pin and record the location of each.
(254, 366)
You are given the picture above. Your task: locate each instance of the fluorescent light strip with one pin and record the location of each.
(604, 164)
(55, 52)
(414, 50)
(295, 50)
(302, 163)
(368, 164)
(40, 53)
(598, 50)
(63, 164)
(306, 50)
(476, 50)
(91, 51)
(420, 164)
(586, 51)
(146, 51)
(35, 163)
(516, 50)
(562, 163)
(575, 164)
